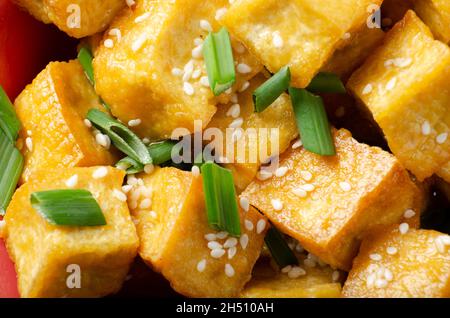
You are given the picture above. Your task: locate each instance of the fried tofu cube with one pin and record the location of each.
(253, 145)
(328, 203)
(52, 111)
(404, 84)
(394, 264)
(156, 72)
(174, 235)
(436, 14)
(78, 18)
(45, 254)
(302, 34)
(444, 172)
(266, 282)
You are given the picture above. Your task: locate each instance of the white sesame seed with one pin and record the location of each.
(380, 283)
(402, 62)
(388, 62)
(375, 257)
(391, 250)
(345, 186)
(388, 275)
(220, 13)
(309, 262)
(222, 235)
(29, 143)
(217, 253)
(231, 252)
(131, 180)
(261, 226)
(445, 239)
(243, 240)
(145, 204)
(306, 175)
(248, 225)
(335, 276)
(264, 175)
(409, 214)
(426, 128)
(195, 171)
(103, 140)
(116, 32)
(367, 89)
(153, 214)
(281, 171)
(205, 25)
(229, 270)
(237, 123)
(234, 98)
(72, 181)
(244, 86)
(188, 89)
(201, 265)
(213, 245)
(196, 74)
(391, 84)
(299, 192)
(139, 42)
(204, 81)
(210, 237)
(119, 195)
(286, 269)
(134, 122)
(307, 187)
(126, 188)
(346, 36)
(296, 272)
(142, 18)
(277, 204)
(297, 144)
(100, 173)
(108, 43)
(244, 203)
(243, 68)
(130, 3)
(87, 123)
(403, 228)
(230, 242)
(441, 138)
(197, 52)
(277, 40)
(198, 41)
(148, 169)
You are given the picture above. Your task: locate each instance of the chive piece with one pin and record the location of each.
(219, 61)
(220, 199)
(131, 165)
(161, 151)
(122, 137)
(11, 164)
(68, 207)
(9, 122)
(268, 92)
(326, 83)
(85, 59)
(312, 122)
(279, 249)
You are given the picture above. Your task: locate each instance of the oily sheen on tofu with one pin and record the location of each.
(136, 77)
(345, 196)
(395, 265)
(254, 142)
(94, 16)
(302, 34)
(436, 14)
(42, 252)
(404, 84)
(52, 110)
(172, 234)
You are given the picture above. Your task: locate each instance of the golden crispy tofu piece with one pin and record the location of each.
(78, 18)
(395, 265)
(404, 84)
(156, 71)
(172, 232)
(436, 14)
(43, 253)
(52, 110)
(246, 158)
(444, 172)
(300, 33)
(328, 203)
(267, 282)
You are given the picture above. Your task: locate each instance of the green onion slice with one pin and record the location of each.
(11, 164)
(268, 92)
(161, 151)
(9, 122)
(122, 137)
(219, 61)
(220, 199)
(68, 207)
(85, 59)
(312, 122)
(132, 166)
(326, 83)
(279, 249)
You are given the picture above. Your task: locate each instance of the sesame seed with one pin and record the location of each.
(153, 214)
(148, 168)
(103, 140)
(130, 3)
(402, 62)
(300, 192)
(217, 253)
(119, 195)
(204, 81)
(244, 86)
(201, 265)
(297, 144)
(388, 62)
(248, 225)
(281, 171)
(238, 47)
(409, 214)
(188, 89)
(237, 123)
(403, 228)
(286, 269)
(210, 237)
(87, 123)
(197, 52)
(345, 186)
(388, 275)
(277, 204)
(229, 270)
(198, 41)
(243, 68)
(195, 171)
(307, 187)
(145, 204)
(380, 283)
(445, 239)
(244, 203)
(131, 180)
(29, 143)
(426, 128)
(375, 257)
(142, 18)
(231, 252)
(205, 25)
(139, 42)
(108, 43)
(72, 181)
(222, 235)
(391, 84)
(196, 74)
(116, 32)
(213, 245)
(220, 13)
(441, 138)
(243, 240)
(309, 263)
(277, 40)
(264, 175)
(260, 226)
(346, 36)
(296, 272)
(134, 122)
(230, 242)
(335, 276)
(100, 173)
(306, 175)
(367, 89)
(391, 250)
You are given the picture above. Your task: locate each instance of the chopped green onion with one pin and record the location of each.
(268, 92)
(219, 61)
(220, 199)
(85, 59)
(68, 207)
(131, 166)
(11, 164)
(161, 151)
(279, 249)
(326, 83)
(122, 137)
(9, 122)
(312, 122)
